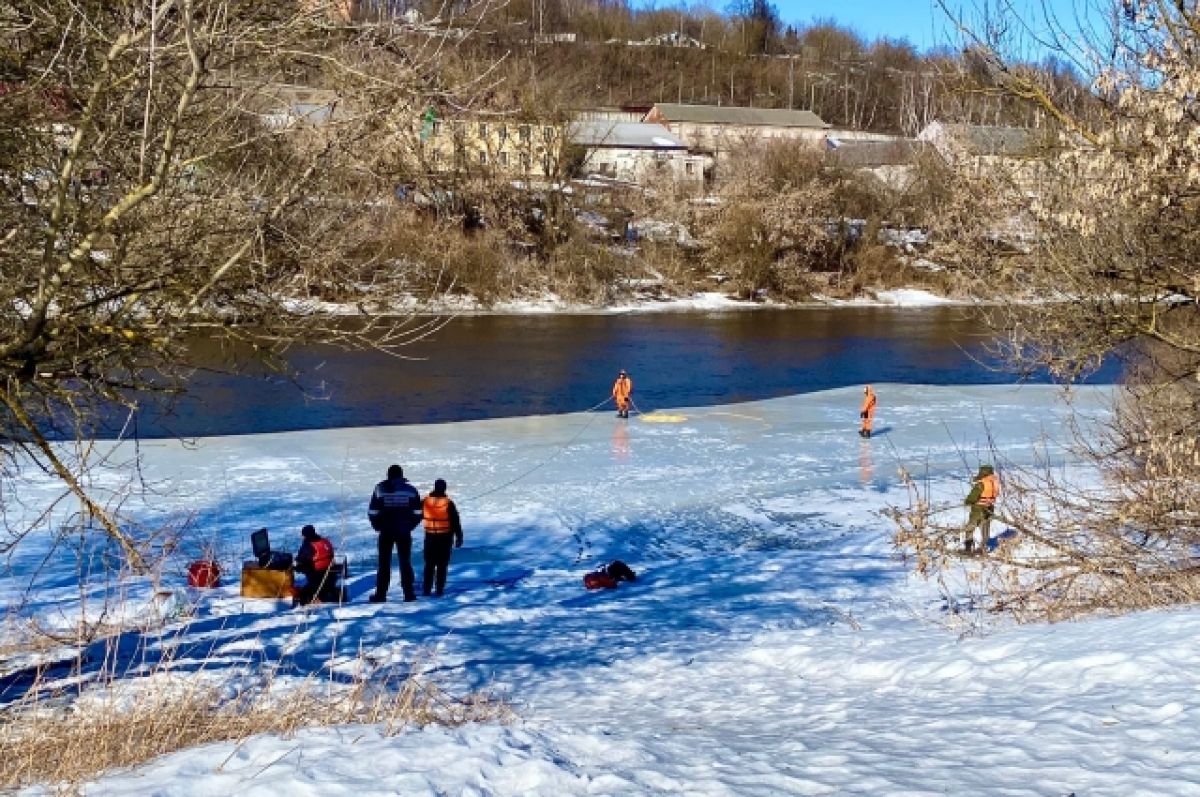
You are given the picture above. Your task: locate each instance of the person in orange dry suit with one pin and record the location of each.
(621, 392)
(867, 413)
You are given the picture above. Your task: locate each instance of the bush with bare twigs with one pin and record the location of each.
(1115, 250)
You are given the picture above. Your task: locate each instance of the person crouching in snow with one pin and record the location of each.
(442, 528)
(985, 489)
(313, 561)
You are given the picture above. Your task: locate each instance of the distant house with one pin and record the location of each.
(624, 113)
(504, 145)
(959, 142)
(1020, 154)
(892, 161)
(720, 130)
(282, 106)
(635, 152)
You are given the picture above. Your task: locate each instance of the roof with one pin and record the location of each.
(870, 154)
(626, 135)
(733, 115)
(991, 139)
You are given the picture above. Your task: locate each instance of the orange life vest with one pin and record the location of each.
(991, 490)
(322, 554)
(622, 388)
(868, 405)
(436, 510)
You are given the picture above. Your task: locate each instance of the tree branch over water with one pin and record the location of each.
(174, 166)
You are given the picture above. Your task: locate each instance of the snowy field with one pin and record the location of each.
(773, 644)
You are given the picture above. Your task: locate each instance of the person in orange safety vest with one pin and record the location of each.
(442, 530)
(621, 392)
(985, 489)
(867, 413)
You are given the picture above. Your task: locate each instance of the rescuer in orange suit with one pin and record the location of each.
(622, 390)
(868, 411)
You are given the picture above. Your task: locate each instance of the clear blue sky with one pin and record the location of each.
(921, 22)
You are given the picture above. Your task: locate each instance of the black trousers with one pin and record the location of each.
(402, 542)
(437, 560)
(317, 583)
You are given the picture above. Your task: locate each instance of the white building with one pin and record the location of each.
(722, 130)
(636, 152)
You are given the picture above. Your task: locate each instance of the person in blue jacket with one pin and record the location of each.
(394, 511)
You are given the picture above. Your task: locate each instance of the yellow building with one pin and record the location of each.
(496, 145)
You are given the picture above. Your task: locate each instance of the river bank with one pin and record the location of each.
(703, 301)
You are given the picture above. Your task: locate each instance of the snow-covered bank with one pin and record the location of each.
(771, 645)
(707, 301)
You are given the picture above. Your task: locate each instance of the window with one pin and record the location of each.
(547, 134)
(525, 161)
(523, 133)
(502, 133)
(503, 156)
(689, 168)
(483, 130)
(483, 159)
(437, 128)
(547, 165)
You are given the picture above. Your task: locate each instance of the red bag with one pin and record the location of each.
(203, 573)
(599, 580)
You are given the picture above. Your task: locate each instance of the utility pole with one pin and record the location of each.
(791, 82)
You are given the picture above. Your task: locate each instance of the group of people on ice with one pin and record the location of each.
(396, 509)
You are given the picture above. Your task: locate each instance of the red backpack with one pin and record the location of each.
(599, 580)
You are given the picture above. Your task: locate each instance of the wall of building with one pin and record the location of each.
(722, 139)
(517, 148)
(645, 166)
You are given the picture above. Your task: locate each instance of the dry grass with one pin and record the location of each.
(123, 723)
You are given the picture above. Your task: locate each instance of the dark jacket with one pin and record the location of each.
(395, 507)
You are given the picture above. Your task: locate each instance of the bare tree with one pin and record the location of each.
(172, 168)
(1117, 252)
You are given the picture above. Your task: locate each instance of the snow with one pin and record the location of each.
(898, 297)
(772, 644)
(548, 302)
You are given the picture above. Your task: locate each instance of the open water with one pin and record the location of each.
(495, 366)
